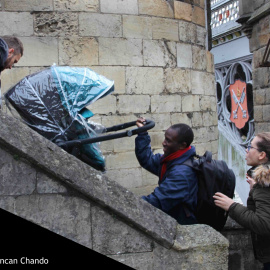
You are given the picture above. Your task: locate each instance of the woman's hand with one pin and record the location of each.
(222, 201)
(251, 181)
(140, 122)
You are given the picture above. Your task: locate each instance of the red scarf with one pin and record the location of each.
(172, 156)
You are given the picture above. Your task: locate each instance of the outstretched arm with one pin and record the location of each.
(222, 201)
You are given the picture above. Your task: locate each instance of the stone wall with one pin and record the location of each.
(45, 185)
(155, 52)
(255, 19)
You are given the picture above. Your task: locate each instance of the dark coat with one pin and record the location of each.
(3, 53)
(176, 194)
(256, 217)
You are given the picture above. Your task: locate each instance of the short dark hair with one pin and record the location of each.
(185, 133)
(264, 143)
(15, 43)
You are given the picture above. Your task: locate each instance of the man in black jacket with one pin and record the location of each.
(11, 51)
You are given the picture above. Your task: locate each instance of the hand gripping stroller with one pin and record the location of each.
(53, 103)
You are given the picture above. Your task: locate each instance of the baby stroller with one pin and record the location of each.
(53, 103)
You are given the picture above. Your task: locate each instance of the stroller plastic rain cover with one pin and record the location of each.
(53, 102)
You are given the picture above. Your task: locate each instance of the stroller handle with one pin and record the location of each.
(128, 133)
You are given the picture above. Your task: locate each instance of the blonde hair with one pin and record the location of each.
(261, 175)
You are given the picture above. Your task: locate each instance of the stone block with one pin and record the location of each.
(210, 119)
(67, 216)
(144, 80)
(202, 83)
(177, 80)
(182, 11)
(119, 6)
(187, 32)
(159, 53)
(17, 24)
(39, 51)
(149, 179)
(165, 29)
(201, 36)
(106, 105)
(156, 139)
(208, 103)
(133, 104)
(78, 51)
(122, 161)
(191, 103)
(46, 184)
(158, 8)
(210, 67)
(162, 121)
(197, 82)
(205, 134)
(137, 27)
(184, 55)
(116, 238)
(198, 58)
(165, 103)
(117, 74)
(266, 113)
(198, 16)
(197, 119)
(22, 174)
(26, 5)
(124, 144)
(135, 260)
(100, 25)
(181, 118)
(118, 51)
(56, 24)
(112, 120)
(128, 178)
(259, 97)
(79, 5)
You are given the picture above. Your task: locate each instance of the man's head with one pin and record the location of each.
(15, 51)
(177, 137)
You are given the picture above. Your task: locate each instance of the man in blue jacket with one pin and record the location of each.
(176, 193)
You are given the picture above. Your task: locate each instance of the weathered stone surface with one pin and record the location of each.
(165, 104)
(177, 80)
(56, 24)
(119, 6)
(23, 175)
(165, 29)
(26, 5)
(184, 55)
(143, 80)
(183, 11)
(159, 53)
(126, 104)
(114, 73)
(104, 105)
(43, 51)
(18, 24)
(79, 5)
(190, 103)
(158, 8)
(137, 27)
(46, 184)
(187, 32)
(78, 51)
(120, 51)
(100, 25)
(115, 238)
